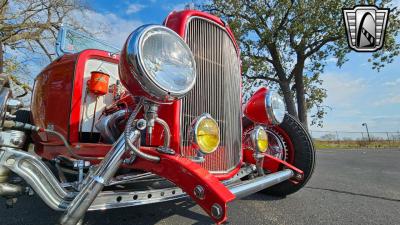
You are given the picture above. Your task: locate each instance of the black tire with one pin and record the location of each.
(304, 156)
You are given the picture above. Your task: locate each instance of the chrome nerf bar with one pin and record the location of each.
(260, 183)
(108, 199)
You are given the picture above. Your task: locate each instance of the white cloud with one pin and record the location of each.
(341, 86)
(388, 100)
(134, 8)
(393, 83)
(107, 26)
(358, 98)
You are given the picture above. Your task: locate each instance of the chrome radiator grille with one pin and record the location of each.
(217, 92)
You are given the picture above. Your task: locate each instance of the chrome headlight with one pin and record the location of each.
(276, 107)
(161, 62)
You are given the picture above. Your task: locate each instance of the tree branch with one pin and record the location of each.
(46, 52)
(262, 78)
(316, 46)
(283, 20)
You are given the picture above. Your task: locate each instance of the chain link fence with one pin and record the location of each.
(354, 139)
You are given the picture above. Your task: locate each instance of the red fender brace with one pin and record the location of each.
(273, 164)
(187, 174)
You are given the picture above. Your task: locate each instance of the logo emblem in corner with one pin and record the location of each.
(365, 27)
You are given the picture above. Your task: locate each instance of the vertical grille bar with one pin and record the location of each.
(217, 92)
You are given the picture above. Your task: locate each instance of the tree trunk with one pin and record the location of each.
(300, 97)
(288, 96)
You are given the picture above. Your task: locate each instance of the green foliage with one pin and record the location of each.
(391, 47)
(280, 40)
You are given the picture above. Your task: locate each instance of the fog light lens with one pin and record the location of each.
(259, 138)
(206, 134)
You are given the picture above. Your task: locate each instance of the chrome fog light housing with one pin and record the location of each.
(205, 134)
(259, 139)
(276, 107)
(160, 62)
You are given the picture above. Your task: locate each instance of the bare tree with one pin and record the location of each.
(31, 26)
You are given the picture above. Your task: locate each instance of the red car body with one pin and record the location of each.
(59, 88)
(59, 101)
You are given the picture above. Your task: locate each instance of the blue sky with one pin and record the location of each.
(356, 93)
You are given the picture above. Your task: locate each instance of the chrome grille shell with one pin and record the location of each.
(217, 91)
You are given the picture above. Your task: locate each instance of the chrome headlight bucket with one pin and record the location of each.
(205, 134)
(276, 107)
(160, 61)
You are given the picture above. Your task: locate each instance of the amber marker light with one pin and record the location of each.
(259, 139)
(205, 134)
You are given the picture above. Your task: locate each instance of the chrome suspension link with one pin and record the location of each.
(167, 133)
(96, 180)
(131, 128)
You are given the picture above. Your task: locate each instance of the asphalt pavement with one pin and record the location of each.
(348, 187)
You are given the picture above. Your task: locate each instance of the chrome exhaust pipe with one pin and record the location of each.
(10, 190)
(96, 180)
(249, 187)
(7, 189)
(32, 169)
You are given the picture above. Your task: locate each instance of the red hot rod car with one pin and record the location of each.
(160, 120)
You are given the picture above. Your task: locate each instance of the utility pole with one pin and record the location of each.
(337, 137)
(366, 127)
(387, 135)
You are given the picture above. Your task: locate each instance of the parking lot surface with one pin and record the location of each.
(348, 187)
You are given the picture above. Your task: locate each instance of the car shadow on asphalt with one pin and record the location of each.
(154, 213)
(37, 213)
(149, 214)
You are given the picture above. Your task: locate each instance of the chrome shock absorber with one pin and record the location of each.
(96, 180)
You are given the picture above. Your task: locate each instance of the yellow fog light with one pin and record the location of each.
(205, 134)
(259, 139)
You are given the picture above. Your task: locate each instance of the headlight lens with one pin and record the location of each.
(276, 107)
(160, 61)
(206, 134)
(259, 138)
(167, 60)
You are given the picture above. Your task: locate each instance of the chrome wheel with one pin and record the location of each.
(276, 144)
